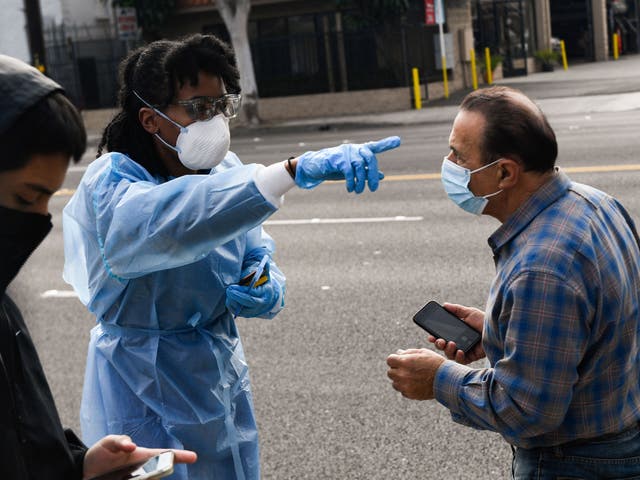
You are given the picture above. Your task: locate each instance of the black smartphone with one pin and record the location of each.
(442, 324)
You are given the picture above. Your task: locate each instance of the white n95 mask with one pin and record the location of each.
(203, 144)
(455, 180)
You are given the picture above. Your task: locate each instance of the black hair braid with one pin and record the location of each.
(154, 72)
(114, 128)
(205, 53)
(124, 74)
(142, 71)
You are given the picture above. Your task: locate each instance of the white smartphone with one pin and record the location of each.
(156, 467)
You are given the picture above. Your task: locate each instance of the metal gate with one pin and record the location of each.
(85, 65)
(502, 25)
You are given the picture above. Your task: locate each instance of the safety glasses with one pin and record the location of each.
(205, 108)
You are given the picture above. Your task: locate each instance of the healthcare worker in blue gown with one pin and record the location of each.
(158, 236)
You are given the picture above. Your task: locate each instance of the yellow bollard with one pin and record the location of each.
(444, 77)
(474, 71)
(487, 60)
(416, 90)
(37, 64)
(563, 50)
(615, 46)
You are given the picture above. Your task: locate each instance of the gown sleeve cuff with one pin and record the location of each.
(273, 182)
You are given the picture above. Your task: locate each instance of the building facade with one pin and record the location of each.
(587, 26)
(323, 57)
(327, 57)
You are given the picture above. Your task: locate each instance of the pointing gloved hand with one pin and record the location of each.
(247, 301)
(356, 163)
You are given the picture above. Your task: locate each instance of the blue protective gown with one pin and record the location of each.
(151, 259)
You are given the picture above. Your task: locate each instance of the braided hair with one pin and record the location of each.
(155, 71)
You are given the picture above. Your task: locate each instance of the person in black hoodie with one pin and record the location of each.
(40, 130)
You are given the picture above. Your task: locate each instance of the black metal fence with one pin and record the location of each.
(86, 67)
(341, 61)
(508, 28)
(294, 64)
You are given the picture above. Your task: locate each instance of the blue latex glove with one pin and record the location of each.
(253, 258)
(253, 302)
(356, 163)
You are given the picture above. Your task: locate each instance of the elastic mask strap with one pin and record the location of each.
(492, 194)
(486, 166)
(175, 149)
(182, 129)
(166, 117)
(482, 168)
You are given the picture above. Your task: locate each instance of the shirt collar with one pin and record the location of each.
(556, 187)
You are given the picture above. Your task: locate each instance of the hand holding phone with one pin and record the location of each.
(442, 324)
(156, 467)
(258, 276)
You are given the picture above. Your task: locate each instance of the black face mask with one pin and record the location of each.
(20, 235)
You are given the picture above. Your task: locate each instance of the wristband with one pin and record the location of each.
(291, 170)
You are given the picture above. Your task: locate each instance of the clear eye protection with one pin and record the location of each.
(205, 108)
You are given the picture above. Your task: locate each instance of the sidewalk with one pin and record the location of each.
(598, 86)
(587, 87)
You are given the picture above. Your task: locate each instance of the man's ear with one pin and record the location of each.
(148, 119)
(508, 172)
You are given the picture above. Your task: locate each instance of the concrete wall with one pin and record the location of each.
(13, 30)
(13, 26)
(357, 102)
(335, 104)
(85, 12)
(85, 19)
(51, 12)
(458, 18)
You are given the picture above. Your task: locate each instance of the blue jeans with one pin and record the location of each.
(610, 457)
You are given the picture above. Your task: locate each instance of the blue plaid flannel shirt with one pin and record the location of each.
(561, 329)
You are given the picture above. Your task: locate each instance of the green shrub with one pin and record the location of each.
(547, 56)
(496, 59)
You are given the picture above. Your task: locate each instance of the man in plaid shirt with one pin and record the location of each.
(561, 327)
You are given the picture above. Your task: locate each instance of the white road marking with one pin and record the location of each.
(59, 294)
(67, 192)
(324, 221)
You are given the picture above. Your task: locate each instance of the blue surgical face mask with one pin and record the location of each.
(455, 180)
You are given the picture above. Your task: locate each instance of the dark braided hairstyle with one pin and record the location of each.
(155, 71)
(205, 53)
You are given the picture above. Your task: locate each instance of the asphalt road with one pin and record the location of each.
(325, 408)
